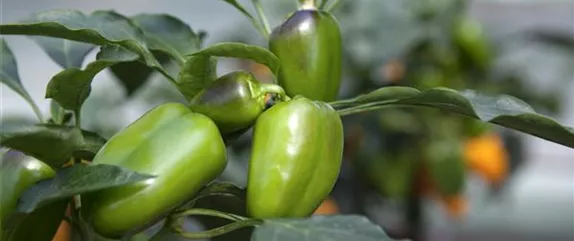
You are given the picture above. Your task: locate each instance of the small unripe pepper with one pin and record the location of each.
(309, 47)
(234, 100)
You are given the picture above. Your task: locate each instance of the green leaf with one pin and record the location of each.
(44, 221)
(99, 28)
(169, 39)
(385, 93)
(64, 52)
(225, 197)
(10, 122)
(378, 95)
(9, 74)
(134, 74)
(503, 110)
(239, 50)
(332, 228)
(168, 34)
(196, 74)
(10, 77)
(72, 86)
(59, 114)
(200, 68)
(90, 145)
(53, 144)
(75, 180)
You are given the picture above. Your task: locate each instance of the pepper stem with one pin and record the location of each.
(238, 222)
(208, 212)
(262, 19)
(365, 108)
(217, 231)
(307, 4)
(274, 89)
(332, 5)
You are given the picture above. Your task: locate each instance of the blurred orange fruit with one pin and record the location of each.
(64, 232)
(456, 206)
(267, 98)
(486, 155)
(261, 72)
(393, 71)
(425, 186)
(328, 207)
(354, 136)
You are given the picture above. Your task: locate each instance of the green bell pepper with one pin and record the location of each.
(17, 174)
(309, 47)
(184, 150)
(296, 157)
(234, 100)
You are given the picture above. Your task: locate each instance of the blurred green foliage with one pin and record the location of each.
(423, 44)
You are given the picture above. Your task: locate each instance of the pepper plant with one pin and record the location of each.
(163, 168)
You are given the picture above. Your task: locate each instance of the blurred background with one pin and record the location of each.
(418, 173)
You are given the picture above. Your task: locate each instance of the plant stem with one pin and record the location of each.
(266, 30)
(414, 213)
(332, 6)
(360, 109)
(208, 212)
(35, 108)
(78, 118)
(163, 72)
(366, 107)
(323, 4)
(341, 103)
(256, 24)
(217, 231)
(174, 222)
(274, 89)
(77, 220)
(307, 4)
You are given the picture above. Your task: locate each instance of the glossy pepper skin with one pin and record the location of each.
(295, 160)
(234, 100)
(183, 149)
(17, 175)
(309, 47)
